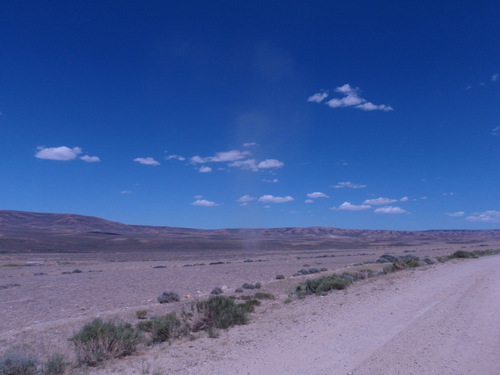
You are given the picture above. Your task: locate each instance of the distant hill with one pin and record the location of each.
(48, 232)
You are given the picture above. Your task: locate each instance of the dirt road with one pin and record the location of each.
(443, 320)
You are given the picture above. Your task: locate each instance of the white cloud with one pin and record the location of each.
(272, 199)
(62, 153)
(404, 199)
(495, 131)
(204, 203)
(147, 161)
(250, 164)
(318, 97)
(308, 201)
(379, 201)
(317, 194)
(347, 206)
(455, 214)
(495, 77)
(246, 198)
(270, 163)
(198, 196)
(205, 169)
(249, 144)
(274, 180)
(349, 185)
(90, 159)
(487, 217)
(177, 157)
(224, 156)
(389, 210)
(351, 98)
(125, 192)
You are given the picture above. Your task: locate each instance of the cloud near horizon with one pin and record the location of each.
(351, 98)
(348, 206)
(147, 161)
(486, 217)
(272, 199)
(389, 210)
(204, 203)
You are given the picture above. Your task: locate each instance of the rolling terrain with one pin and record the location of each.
(48, 232)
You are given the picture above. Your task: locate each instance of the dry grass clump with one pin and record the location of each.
(15, 364)
(322, 285)
(168, 296)
(168, 327)
(100, 340)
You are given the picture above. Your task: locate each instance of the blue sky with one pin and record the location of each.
(214, 114)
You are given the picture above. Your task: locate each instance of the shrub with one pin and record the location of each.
(55, 365)
(238, 290)
(219, 312)
(216, 290)
(145, 326)
(14, 364)
(100, 340)
(141, 314)
(462, 255)
(168, 296)
(280, 277)
(248, 286)
(168, 327)
(322, 285)
(258, 285)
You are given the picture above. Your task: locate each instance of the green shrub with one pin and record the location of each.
(219, 312)
(100, 340)
(462, 255)
(168, 327)
(141, 314)
(280, 277)
(322, 285)
(55, 365)
(145, 326)
(14, 364)
(168, 296)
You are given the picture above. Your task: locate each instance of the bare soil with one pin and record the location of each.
(437, 319)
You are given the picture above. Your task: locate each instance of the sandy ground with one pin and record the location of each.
(440, 319)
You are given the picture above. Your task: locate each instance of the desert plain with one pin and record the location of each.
(439, 318)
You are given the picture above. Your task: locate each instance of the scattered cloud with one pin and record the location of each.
(272, 199)
(250, 144)
(90, 159)
(176, 157)
(455, 214)
(126, 192)
(147, 161)
(348, 206)
(205, 169)
(404, 199)
(249, 164)
(246, 198)
(318, 97)
(198, 196)
(450, 193)
(204, 203)
(423, 198)
(270, 163)
(389, 210)
(351, 98)
(62, 153)
(379, 201)
(308, 201)
(487, 217)
(223, 156)
(495, 131)
(274, 180)
(317, 194)
(348, 184)
(495, 77)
